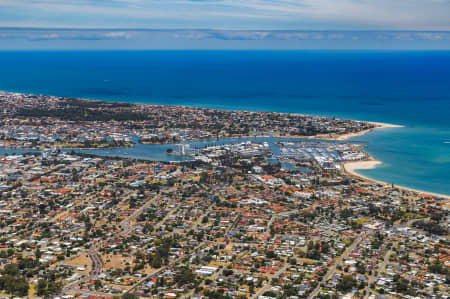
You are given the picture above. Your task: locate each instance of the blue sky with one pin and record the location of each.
(229, 14)
(209, 23)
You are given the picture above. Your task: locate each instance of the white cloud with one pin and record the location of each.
(49, 36)
(243, 14)
(249, 35)
(219, 39)
(118, 35)
(433, 35)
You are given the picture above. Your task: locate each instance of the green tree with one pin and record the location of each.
(347, 283)
(41, 287)
(156, 260)
(183, 276)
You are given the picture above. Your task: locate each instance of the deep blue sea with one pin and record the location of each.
(402, 87)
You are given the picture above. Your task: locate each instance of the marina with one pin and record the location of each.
(287, 151)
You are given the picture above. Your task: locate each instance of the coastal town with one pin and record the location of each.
(37, 121)
(252, 219)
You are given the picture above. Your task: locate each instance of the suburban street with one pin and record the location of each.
(332, 270)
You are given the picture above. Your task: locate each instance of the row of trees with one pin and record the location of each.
(12, 282)
(45, 287)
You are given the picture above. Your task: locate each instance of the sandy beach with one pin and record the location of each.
(352, 167)
(377, 125)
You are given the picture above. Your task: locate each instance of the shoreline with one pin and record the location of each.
(378, 125)
(65, 148)
(351, 168)
(330, 136)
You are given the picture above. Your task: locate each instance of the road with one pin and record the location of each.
(97, 262)
(269, 224)
(148, 277)
(170, 265)
(380, 269)
(93, 254)
(213, 278)
(270, 277)
(125, 224)
(332, 270)
(235, 222)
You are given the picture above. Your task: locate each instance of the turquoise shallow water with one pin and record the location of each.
(412, 157)
(408, 88)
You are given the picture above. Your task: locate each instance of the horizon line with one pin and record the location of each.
(216, 29)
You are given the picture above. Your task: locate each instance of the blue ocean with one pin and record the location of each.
(409, 88)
